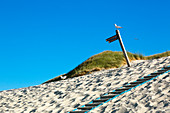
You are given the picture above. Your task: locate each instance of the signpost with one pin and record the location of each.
(111, 39)
(114, 38)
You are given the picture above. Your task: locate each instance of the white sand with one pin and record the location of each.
(65, 95)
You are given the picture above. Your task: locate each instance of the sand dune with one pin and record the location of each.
(65, 95)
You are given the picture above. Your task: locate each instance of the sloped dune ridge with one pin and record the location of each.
(64, 96)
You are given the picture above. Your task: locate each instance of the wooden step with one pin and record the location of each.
(130, 86)
(82, 111)
(122, 89)
(151, 76)
(86, 107)
(144, 79)
(109, 96)
(115, 92)
(138, 82)
(167, 68)
(94, 104)
(101, 100)
(157, 73)
(164, 70)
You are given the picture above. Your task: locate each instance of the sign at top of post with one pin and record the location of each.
(111, 39)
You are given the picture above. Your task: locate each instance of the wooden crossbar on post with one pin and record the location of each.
(111, 39)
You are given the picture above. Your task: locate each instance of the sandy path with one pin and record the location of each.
(65, 95)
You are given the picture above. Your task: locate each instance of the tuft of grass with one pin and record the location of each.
(105, 60)
(160, 55)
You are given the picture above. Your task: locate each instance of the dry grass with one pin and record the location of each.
(160, 55)
(105, 60)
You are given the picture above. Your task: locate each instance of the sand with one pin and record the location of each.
(64, 96)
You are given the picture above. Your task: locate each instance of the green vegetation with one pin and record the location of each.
(105, 60)
(160, 55)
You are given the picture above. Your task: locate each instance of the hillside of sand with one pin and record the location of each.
(65, 95)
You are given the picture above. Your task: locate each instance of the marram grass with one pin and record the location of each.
(105, 60)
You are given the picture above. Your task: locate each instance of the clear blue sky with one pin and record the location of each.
(40, 39)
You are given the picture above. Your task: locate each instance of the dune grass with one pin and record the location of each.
(160, 55)
(105, 60)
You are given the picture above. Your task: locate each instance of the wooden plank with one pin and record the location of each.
(113, 40)
(111, 37)
(123, 48)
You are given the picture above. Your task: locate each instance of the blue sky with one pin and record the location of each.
(40, 39)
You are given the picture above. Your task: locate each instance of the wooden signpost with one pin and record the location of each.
(115, 37)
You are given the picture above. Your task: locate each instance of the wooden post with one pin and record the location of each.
(123, 48)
